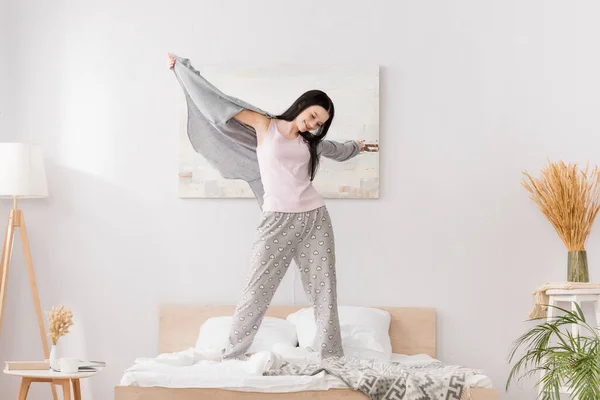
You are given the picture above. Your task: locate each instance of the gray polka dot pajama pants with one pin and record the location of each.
(307, 239)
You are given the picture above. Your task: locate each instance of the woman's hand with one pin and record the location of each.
(361, 144)
(171, 61)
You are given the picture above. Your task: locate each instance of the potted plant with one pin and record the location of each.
(562, 361)
(570, 199)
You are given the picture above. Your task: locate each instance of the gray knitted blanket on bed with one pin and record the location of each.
(383, 380)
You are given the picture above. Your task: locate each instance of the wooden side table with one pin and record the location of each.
(56, 378)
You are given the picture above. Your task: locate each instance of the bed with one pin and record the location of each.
(412, 332)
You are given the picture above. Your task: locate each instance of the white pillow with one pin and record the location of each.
(214, 334)
(364, 331)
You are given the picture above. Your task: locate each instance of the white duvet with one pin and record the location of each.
(203, 369)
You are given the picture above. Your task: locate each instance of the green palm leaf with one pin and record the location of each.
(567, 361)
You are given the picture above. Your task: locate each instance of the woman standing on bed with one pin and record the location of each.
(295, 223)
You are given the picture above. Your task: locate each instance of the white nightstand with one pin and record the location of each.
(573, 296)
(49, 376)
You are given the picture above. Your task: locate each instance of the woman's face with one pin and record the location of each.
(311, 118)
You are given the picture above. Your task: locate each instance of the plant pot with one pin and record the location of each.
(54, 361)
(577, 269)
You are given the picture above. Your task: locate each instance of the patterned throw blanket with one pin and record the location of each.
(386, 380)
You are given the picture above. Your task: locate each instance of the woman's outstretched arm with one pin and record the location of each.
(259, 122)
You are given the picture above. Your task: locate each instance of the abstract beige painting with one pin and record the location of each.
(355, 93)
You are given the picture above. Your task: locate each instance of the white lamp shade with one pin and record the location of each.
(22, 172)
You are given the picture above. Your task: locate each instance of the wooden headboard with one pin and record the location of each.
(412, 331)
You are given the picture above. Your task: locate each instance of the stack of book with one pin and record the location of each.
(84, 366)
(27, 365)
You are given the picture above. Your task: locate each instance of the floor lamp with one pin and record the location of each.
(22, 175)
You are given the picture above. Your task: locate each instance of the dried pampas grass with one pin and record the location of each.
(569, 198)
(59, 322)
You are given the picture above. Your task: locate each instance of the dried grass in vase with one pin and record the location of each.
(59, 322)
(569, 197)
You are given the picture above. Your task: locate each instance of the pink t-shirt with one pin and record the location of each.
(283, 165)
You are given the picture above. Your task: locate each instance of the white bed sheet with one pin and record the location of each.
(193, 369)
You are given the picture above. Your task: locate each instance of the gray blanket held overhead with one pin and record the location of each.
(386, 380)
(226, 143)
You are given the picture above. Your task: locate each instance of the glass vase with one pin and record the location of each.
(577, 269)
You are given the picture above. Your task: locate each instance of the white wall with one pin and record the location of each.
(7, 82)
(472, 94)
(8, 131)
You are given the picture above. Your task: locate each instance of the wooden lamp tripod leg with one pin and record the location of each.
(6, 255)
(15, 220)
(34, 291)
(33, 284)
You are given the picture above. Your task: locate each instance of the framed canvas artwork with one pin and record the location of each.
(355, 94)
